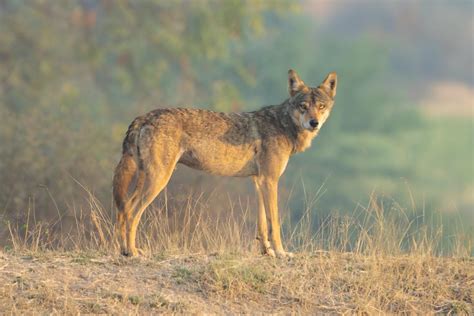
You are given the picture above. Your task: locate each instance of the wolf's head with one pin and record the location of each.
(310, 107)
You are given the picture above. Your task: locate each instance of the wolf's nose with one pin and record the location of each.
(313, 123)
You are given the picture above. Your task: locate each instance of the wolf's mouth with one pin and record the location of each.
(310, 128)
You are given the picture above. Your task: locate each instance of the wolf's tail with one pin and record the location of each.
(127, 166)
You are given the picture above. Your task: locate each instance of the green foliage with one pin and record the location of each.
(374, 140)
(74, 74)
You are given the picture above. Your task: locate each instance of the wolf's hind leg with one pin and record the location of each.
(153, 184)
(124, 174)
(127, 216)
(157, 168)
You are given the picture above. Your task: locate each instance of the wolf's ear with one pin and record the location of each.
(295, 84)
(330, 83)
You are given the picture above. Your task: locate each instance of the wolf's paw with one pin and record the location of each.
(270, 252)
(266, 249)
(283, 254)
(135, 252)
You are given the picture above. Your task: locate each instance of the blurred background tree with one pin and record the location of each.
(74, 74)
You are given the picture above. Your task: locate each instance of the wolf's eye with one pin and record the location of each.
(304, 105)
(322, 106)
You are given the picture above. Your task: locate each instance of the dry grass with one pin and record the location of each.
(318, 282)
(376, 261)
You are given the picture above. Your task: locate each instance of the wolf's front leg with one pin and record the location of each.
(270, 193)
(265, 246)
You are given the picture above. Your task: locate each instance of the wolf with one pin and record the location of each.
(255, 144)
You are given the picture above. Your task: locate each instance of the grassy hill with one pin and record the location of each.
(318, 282)
(198, 262)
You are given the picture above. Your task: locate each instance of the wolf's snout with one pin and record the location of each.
(313, 123)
